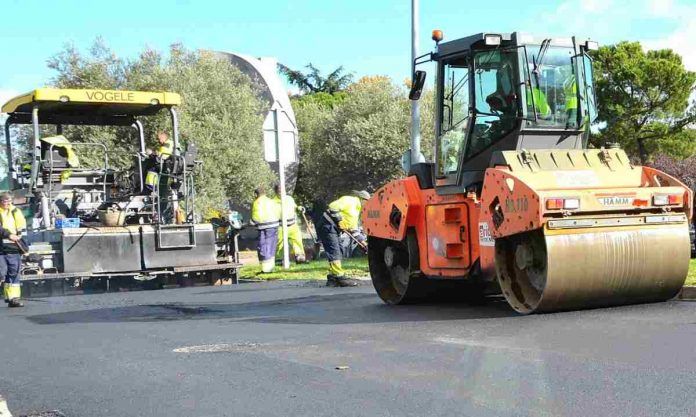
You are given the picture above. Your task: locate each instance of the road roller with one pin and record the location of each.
(515, 201)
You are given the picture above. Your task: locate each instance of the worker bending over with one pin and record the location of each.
(12, 225)
(265, 215)
(294, 233)
(342, 215)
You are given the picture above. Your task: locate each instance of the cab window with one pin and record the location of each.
(496, 101)
(551, 92)
(454, 122)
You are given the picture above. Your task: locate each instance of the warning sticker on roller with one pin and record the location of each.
(485, 238)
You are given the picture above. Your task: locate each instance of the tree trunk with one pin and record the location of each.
(642, 152)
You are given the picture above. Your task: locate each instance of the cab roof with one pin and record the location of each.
(507, 39)
(91, 107)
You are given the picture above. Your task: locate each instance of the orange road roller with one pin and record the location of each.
(515, 202)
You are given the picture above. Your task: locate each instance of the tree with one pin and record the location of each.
(644, 99)
(357, 141)
(680, 145)
(221, 113)
(313, 113)
(314, 82)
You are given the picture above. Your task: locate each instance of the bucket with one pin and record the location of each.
(112, 218)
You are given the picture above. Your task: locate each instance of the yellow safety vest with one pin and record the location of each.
(570, 88)
(541, 104)
(212, 213)
(349, 208)
(265, 213)
(151, 178)
(166, 150)
(13, 220)
(290, 207)
(61, 142)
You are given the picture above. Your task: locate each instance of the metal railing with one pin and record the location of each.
(77, 169)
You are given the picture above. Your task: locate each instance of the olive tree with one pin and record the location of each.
(356, 141)
(221, 113)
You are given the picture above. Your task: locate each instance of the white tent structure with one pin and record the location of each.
(280, 118)
(280, 136)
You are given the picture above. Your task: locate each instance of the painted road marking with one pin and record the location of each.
(216, 348)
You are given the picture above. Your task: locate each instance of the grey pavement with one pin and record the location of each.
(273, 349)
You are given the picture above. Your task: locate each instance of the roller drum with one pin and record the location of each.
(551, 270)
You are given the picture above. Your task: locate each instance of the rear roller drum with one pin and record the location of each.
(394, 269)
(396, 275)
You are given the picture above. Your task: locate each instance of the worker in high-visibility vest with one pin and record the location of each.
(265, 215)
(342, 215)
(163, 152)
(294, 232)
(153, 180)
(570, 89)
(166, 145)
(541, 104)
(12, 225)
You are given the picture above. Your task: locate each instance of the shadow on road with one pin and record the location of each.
(317, 309)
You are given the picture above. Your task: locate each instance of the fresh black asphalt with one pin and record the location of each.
(273, 349)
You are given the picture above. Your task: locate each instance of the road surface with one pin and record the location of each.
(300, 349)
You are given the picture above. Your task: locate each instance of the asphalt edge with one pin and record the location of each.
(687, 293)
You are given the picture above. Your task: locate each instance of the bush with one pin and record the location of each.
(684, 170)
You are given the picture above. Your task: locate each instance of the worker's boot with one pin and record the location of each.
(15, 302)
(300, 259)
(344, 281)
(332, 281)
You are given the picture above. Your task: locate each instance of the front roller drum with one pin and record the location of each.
(553, 270)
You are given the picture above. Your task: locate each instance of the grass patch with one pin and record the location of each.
(355, 267)
(691, 276)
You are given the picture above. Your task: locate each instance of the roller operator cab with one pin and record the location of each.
(88, 219)
(515, 201)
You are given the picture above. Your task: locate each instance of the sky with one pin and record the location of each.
(366, 37)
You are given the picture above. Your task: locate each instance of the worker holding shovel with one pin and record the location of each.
(342, 215)
(294, 232)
